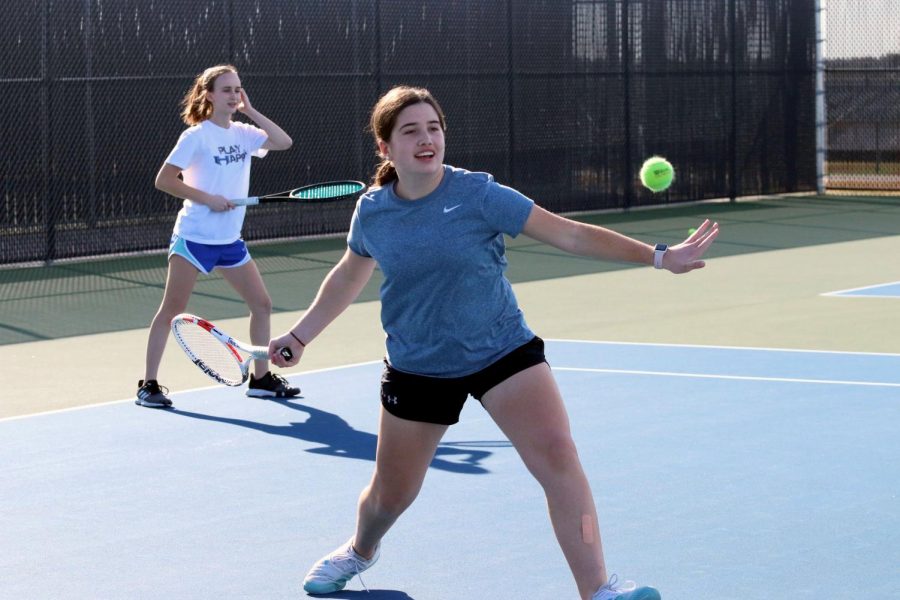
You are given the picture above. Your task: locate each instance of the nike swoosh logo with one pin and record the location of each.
(452, 208)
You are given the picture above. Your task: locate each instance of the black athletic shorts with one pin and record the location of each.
(440, 399)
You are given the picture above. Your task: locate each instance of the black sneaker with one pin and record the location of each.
(151, 395)
(271, 386)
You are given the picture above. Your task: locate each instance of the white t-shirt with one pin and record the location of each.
(217, 161)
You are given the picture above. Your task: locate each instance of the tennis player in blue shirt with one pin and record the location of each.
(454, 329)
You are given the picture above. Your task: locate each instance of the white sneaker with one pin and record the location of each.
(333, 572)
(611, 591)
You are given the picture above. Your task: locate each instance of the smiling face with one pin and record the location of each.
(416, 146)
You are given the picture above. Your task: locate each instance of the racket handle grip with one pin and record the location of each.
(245, 201)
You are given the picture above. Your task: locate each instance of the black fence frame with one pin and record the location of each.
(560, 99)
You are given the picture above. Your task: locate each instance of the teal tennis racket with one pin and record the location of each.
(329, 191)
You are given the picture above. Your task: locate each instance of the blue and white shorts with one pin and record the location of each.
(207, 257)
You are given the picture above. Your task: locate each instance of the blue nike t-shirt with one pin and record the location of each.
(446, 305)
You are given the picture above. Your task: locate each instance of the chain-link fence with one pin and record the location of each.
(560, 98)
(862, 91)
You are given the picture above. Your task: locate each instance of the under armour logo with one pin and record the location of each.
(391, 399)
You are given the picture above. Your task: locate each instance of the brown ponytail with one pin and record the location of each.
(385, 173)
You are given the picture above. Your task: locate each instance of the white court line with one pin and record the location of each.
(860, 289)
(568, 340)
(178, 393)
(731, 377)
(719, 347)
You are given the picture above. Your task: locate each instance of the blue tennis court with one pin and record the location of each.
(719, 473)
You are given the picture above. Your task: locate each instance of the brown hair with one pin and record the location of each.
(384, 117)
(196, 108)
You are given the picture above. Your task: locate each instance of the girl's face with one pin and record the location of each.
(225, 96)
(416, 146)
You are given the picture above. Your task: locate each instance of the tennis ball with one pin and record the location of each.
(692, 231)
(657, 174)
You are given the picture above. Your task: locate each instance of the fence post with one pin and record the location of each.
(230, 10)
(626, 81)
(47, 187)
(90, 210)
(511, 89)
(732, 142)
(821, 116)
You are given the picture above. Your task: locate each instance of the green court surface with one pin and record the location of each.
(74, 332)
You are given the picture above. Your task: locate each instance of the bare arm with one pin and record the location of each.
(278, 138)
(167, 180)
(339, 289)
(593, 241)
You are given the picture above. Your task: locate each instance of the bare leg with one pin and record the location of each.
(405, 449)
(247, 281)
(180, 281)
(530, 411)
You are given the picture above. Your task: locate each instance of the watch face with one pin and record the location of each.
(661, 247)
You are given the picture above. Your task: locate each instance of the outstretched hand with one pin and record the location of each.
(686, 256)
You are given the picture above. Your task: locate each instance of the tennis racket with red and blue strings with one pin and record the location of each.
(330, 191)
(223, 358)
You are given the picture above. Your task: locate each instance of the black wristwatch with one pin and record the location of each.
(658, 254)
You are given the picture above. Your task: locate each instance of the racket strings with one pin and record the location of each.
(325, 191)
(204, 347)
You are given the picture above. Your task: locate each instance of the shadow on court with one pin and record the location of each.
(370, 595)
(715, 469)
(338, 438)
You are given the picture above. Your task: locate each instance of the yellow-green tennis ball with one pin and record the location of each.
(657, 174)
(692, 231)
